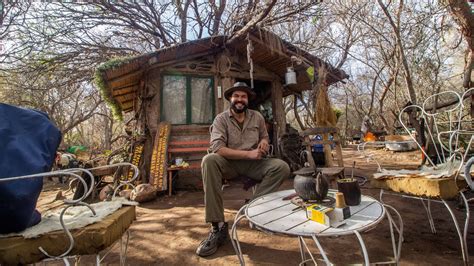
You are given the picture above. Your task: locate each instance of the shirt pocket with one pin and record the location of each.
(252, 135)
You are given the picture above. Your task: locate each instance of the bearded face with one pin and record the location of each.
(239, 101)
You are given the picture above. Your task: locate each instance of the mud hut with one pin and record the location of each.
(184, 85)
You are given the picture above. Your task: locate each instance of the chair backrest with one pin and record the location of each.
(28, 141)
(443, 126)
(326, 141)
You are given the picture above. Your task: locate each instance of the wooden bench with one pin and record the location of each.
(185, 149)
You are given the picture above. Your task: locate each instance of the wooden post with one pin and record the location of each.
(151, 111)
(279, 117)
(337, 142)
(327, 151)
(226, 83)
(309, 154)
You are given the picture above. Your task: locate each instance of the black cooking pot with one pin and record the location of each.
(351, 190)
(310, 184)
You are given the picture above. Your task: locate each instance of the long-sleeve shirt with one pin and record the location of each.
(226, 132)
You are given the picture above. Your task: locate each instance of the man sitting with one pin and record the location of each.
(239, 144)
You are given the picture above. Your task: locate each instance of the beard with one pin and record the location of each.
(237, 109)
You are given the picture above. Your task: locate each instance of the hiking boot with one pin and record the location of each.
(215, 239)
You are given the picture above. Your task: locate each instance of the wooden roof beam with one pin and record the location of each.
(124, 87)
(185, 58)
(124, 106)
(125, 76)
(123, 93)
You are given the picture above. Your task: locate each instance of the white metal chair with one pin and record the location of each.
(67, 254)
(446, 137)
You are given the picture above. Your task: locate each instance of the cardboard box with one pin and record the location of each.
(333, 217)
(319, 214)
(339, 214)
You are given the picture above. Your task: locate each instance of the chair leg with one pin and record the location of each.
(254, 189)
(77, 260)
(224, 184)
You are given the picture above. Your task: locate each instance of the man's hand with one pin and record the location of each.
(254, 154)
(263, 146)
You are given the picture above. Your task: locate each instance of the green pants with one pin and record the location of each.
(270, 171)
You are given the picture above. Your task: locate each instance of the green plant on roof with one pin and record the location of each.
(310, 72)
(102, 85)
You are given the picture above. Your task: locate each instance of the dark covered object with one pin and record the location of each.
(28, 144)
(310, 185)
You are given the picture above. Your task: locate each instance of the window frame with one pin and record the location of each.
(188, 100)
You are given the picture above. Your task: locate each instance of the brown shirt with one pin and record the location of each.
(225, 131)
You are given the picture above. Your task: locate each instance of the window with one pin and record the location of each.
(187, 100)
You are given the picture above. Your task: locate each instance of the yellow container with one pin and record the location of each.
(319, 214)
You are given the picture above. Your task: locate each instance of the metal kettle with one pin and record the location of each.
(310, 184)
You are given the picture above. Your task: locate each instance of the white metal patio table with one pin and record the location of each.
(274, 214)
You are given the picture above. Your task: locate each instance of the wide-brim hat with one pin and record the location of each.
(240, 86)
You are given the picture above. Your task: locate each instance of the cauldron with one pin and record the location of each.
(310, 185)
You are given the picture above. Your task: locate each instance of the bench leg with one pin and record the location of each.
(124, 248)
(170, 183)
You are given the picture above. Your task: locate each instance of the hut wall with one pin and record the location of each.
(226, 82)
(203, 65)
(149, 116)
(152, 100)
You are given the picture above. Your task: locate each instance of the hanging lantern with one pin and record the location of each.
(290, 76)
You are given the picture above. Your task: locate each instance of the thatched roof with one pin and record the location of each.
(119, 79)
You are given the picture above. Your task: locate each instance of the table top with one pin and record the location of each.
(272, 213)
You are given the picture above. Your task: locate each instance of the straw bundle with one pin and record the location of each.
(324, 115)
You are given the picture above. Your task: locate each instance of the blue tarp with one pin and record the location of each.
(28, 144)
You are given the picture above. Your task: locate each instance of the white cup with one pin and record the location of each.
(178, 161)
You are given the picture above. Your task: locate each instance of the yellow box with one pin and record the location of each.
(319, 214)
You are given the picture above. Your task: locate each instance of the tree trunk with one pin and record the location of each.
(464, 17)
(183, 16)
(218, 11)
(386, 88)
(108, 128)
(346, 126)
(408, 79)
(396, 30)
(255, 21)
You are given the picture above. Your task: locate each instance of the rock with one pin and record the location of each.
(143, 193)
(106, 192)
(125, 193)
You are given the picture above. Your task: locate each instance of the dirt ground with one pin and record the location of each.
(168, 229)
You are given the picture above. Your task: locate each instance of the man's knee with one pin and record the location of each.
(210, 159)
(212, 166)
(282, 168)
